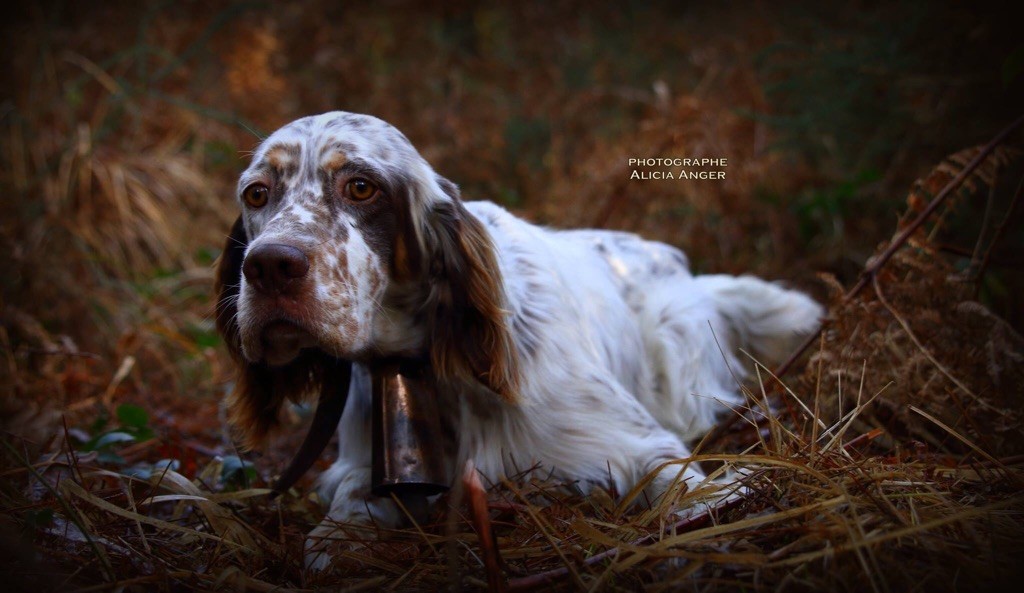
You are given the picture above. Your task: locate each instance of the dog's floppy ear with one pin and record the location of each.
(470, 335)
(254, 404)
(227, 284)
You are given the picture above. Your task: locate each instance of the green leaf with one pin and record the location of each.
(99, 423)
(109, 439)
(237, 471)
(132, 415)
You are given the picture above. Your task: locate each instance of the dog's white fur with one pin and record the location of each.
(622, 354)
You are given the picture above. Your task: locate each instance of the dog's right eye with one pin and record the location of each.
(360, 189)
(256, 195)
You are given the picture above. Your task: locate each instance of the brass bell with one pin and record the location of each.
(408, 459)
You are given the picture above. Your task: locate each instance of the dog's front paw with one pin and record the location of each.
(354, 521)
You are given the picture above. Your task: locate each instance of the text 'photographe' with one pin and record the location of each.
(658, 168)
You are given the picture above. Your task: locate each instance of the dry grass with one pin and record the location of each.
(817, 511)
(891, 461)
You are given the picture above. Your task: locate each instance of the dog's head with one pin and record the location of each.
(351, 247)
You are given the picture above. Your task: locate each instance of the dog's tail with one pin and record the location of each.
(767, 320)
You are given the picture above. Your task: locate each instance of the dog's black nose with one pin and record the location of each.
(274, 268)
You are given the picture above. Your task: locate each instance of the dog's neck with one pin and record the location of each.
(400, 325)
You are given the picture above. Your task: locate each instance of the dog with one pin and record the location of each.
(590, 355)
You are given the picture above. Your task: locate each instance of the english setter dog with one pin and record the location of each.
(589, 355)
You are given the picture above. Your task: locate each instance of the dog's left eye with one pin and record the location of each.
(256, 195)
(361, 189)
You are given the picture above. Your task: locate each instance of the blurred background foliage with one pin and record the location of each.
(124, 125)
